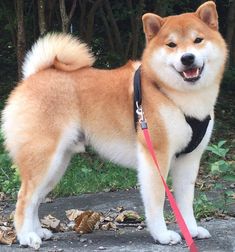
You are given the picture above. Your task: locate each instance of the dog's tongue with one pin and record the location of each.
(191, 73)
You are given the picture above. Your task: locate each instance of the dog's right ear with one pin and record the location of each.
(151, 24)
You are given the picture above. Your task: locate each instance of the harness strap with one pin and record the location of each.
(137, 94)
(199, 129)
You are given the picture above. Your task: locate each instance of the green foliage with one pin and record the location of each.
(228, 82)
(203, 207)
(8, 62)
(88, 173)
(9, 177)
(221, 167)
(222, 171)
(218, 149)
(219, 177)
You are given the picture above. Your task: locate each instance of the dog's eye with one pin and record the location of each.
(198, 40)
(171, 44)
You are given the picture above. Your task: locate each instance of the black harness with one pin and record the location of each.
(198, 127)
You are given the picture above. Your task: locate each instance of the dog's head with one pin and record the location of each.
(184, 52)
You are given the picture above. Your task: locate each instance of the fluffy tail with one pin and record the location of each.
(62, 51)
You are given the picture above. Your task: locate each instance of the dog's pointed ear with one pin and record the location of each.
(208, 14)
(151, 24)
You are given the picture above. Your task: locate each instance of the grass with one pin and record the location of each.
(88, 173)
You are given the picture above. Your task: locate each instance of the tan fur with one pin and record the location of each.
(63, 91)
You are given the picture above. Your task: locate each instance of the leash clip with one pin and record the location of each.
(140, 113)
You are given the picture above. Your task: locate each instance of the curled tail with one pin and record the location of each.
(62, 51)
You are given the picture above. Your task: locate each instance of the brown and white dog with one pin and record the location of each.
(64, 104)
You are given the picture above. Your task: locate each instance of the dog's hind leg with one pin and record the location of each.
(42, 163)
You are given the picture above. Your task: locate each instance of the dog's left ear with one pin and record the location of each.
(152, 24)
(208, 14)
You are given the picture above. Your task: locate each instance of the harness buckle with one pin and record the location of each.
(140, 113)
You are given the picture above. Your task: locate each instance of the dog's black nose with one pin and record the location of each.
(188, 59)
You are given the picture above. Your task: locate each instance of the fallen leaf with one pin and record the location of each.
(64, 227)
(128, 216)
(85, 222)
(51, 222)
(108, 218)
(109, 226)
(71, 225)
(3, 221)
(120, 209)
(72, 214)
(7, 235)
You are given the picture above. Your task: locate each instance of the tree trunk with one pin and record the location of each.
(107, 29)
(161, 7)
(232, 51)
(20, 35)
(90, 20)
(83, 7)
(115, 28)
(41, 17)
(50, 13)
(65, 17)
(230, 33)
(135, 25)
(11, 22)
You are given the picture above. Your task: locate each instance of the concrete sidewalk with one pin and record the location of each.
(124, 239)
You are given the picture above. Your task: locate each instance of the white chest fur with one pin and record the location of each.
(178, 130)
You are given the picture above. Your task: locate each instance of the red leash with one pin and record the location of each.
(179, 218)
(139, 116)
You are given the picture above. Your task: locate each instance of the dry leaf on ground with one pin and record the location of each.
(7, 235)
(85, 222)
(120, 209)
(51, 222)
(128, 216)
(72, 214)
(108, 226)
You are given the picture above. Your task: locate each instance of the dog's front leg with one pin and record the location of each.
(184, 173)
(153, 195)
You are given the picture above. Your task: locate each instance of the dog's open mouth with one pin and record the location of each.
(192, 74)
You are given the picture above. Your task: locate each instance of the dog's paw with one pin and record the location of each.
(30, 239)
(44, 233)
(200, 233)
(203, 233)
(168, 237)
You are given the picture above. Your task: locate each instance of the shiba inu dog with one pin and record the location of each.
(64, 104)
